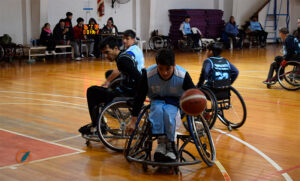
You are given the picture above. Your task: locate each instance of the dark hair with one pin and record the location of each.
(187, 16)
(111, 19)
(61, 20)
(69, 14)
(45, 25)
(230, 20)
(252, 17)
(129, 33)
(165, 57)
(216, 48)
(80, 19)
(284, 31)
(112, 42)
(92, 19)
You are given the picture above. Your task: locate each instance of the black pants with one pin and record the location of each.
(236, 44)
(50, 44)
(195, 38)
(276, 64)
(98, 96)
(262, 36)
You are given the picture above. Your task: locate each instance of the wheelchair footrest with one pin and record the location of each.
(88, 138)
(153, 163)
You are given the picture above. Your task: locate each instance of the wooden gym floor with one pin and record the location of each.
(42, 105)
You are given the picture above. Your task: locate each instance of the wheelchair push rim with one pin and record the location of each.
(112, 123)
(289, 75)
(232, 112)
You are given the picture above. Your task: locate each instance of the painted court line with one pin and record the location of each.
(44, 94)
(223, 171)
(42, 140)
(80, 105)
(277, 173)
(68, 138)
(36, 161)
(272, 162)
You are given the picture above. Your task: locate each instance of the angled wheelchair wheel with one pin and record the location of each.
(112, 123)
(185, 44)
(289, 75)
(210, 113)
(200, 133)
(138, 146)
(156, 43)
(232, 111)
(1, 52)
(115, 83)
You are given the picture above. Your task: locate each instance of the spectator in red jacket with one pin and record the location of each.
(78, 37)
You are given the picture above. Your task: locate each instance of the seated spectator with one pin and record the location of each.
(297, 32)
(257, 30)
(68, 24)
(46, 39)
(232, 31)
(96, 38)
(110, 28)
(186, 30)
(59, 33)
(78, 37)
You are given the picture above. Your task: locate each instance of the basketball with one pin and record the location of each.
(193, 102)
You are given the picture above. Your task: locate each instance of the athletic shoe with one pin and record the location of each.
(53, 52)
(267, 82)
(170, 156)
(77, 58)
(82, 56)
(47, 53)
(91, 55)
(159, 155)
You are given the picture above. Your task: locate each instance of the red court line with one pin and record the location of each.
(277, 173)
(11, 144)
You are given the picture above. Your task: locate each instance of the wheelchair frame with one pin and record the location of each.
(223, 105)
(140, 151)
(289, 76)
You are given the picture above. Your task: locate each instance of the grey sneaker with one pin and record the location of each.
(159, 155)
(170, 156)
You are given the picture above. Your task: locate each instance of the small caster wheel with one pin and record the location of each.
(229, 128)
(176, 170)
(87, 143)
(145, 167)
(269, 86)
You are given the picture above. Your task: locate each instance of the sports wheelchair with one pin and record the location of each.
(288, 75)
(157, 41)
(141, 141)
(226, 104)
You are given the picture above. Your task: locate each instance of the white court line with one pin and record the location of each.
(42, 140)
(36, 161)
(20, 103)
(37, 93)
(80, 105)
(55, 141)
(272, 162)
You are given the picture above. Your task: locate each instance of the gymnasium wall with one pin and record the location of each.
(11, 19)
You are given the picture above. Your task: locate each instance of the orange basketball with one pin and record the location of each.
(193, 102)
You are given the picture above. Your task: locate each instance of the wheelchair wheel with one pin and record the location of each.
(200, 133)
(115, 83)
(1, 52)
(232, 111)
(289, 75)
(112, 123)
(185, 44)
(168, 43)
(210, 113)
(138, 142)
(156, 43)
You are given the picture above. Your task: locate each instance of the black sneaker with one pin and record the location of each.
(85, 129)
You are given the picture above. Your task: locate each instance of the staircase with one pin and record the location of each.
(274, 12)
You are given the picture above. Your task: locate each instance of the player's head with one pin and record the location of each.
(283, 33)
(92, 21)
(165, 60)
(69, 15)
(215, 49)
(110, 48)
(62, 22)
(187, 19)
(128, 38)
(254, 18)
(80, 21)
